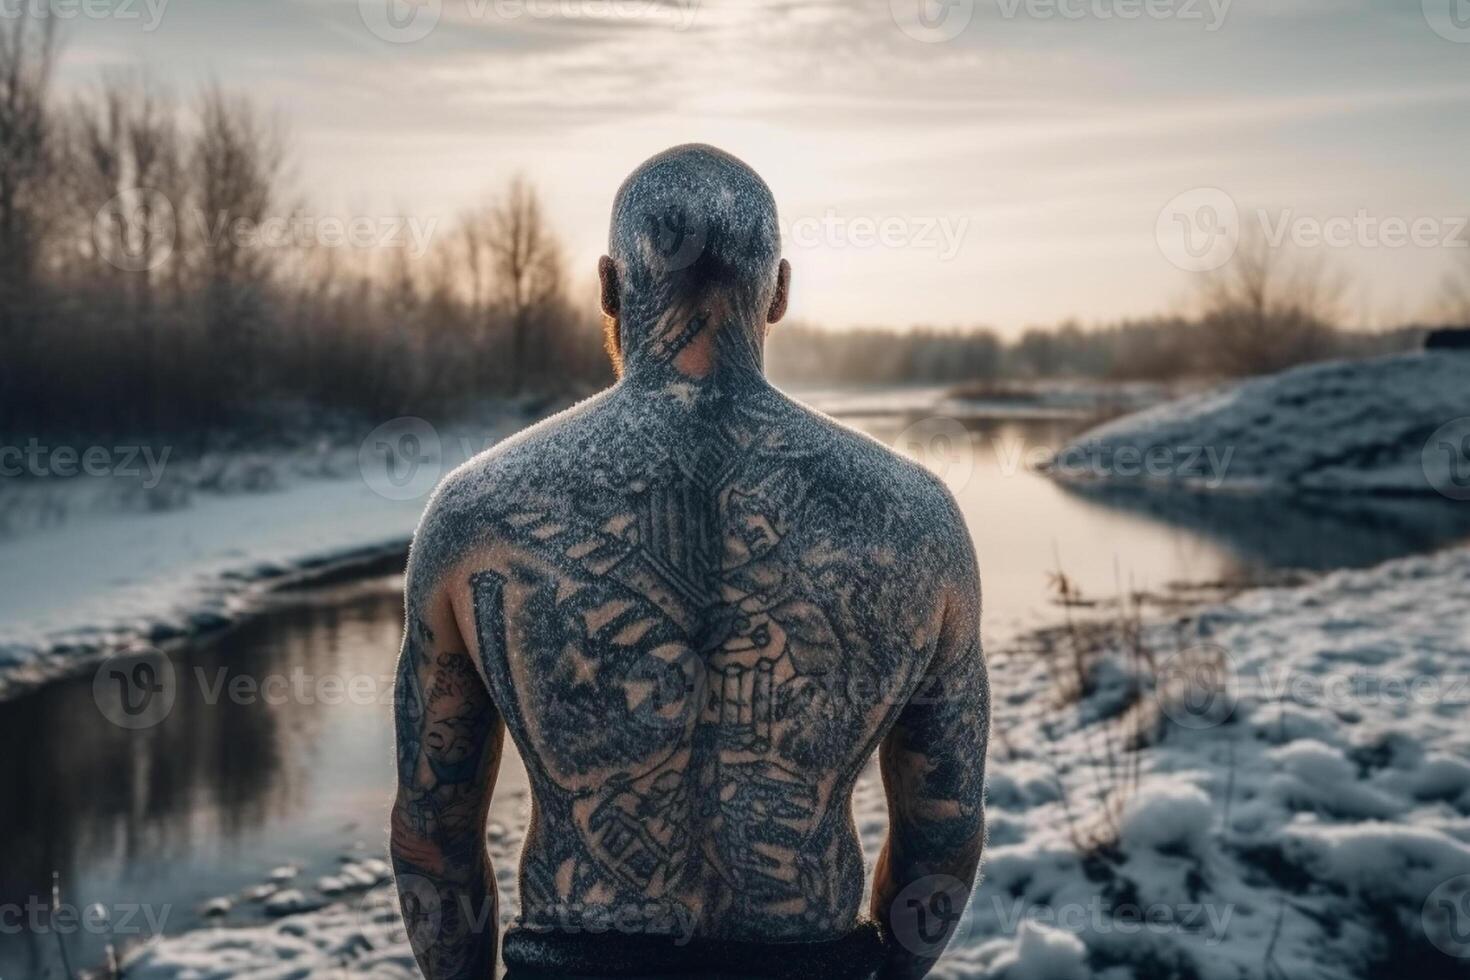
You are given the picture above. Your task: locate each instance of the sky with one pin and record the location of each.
(941, 162)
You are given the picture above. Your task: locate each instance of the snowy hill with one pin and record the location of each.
(1392, 425)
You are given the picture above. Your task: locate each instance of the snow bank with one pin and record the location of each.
(1301, 812)
(1361, 426)
(109, 576)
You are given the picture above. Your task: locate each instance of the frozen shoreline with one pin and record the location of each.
(111, 578)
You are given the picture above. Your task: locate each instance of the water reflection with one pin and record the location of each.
(1307, 531)
(228, 785)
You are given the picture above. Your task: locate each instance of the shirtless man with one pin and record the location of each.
(698, 607)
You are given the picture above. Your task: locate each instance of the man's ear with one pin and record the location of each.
(783, 293)
(607, 275)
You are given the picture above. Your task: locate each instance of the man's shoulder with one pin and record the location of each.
(855, 459)
(544, 451)
(464, 508)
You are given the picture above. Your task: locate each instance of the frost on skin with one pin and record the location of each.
(699, 608)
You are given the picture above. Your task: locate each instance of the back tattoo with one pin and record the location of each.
(698, 608)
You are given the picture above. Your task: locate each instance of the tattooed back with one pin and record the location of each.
(699, 609)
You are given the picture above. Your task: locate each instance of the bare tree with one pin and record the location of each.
(238, 160)
(27, 61)
(515, 266)
(1267, 309)
(1454, 302)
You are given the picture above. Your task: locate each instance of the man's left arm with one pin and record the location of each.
(449, 743)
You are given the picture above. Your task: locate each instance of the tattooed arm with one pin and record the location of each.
(449, 742)
(933, 763)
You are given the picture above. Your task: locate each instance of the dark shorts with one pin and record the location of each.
(550, 955)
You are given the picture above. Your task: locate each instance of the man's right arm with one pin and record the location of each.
(933, 764)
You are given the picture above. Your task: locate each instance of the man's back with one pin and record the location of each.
(698, 611)
(698, 608)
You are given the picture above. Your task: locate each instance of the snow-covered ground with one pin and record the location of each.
(113, 562)
(1398, 424)
(1299, 806)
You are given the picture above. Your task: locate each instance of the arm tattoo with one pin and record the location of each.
(448, 750)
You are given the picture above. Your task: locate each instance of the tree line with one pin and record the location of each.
(157, 274)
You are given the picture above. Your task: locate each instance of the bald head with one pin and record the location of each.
(695, 253)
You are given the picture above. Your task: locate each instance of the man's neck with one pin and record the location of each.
(726, 357)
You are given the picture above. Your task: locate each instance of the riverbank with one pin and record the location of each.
(190, 551)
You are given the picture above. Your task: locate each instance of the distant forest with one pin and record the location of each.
(1141, 350)
(138, 291)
